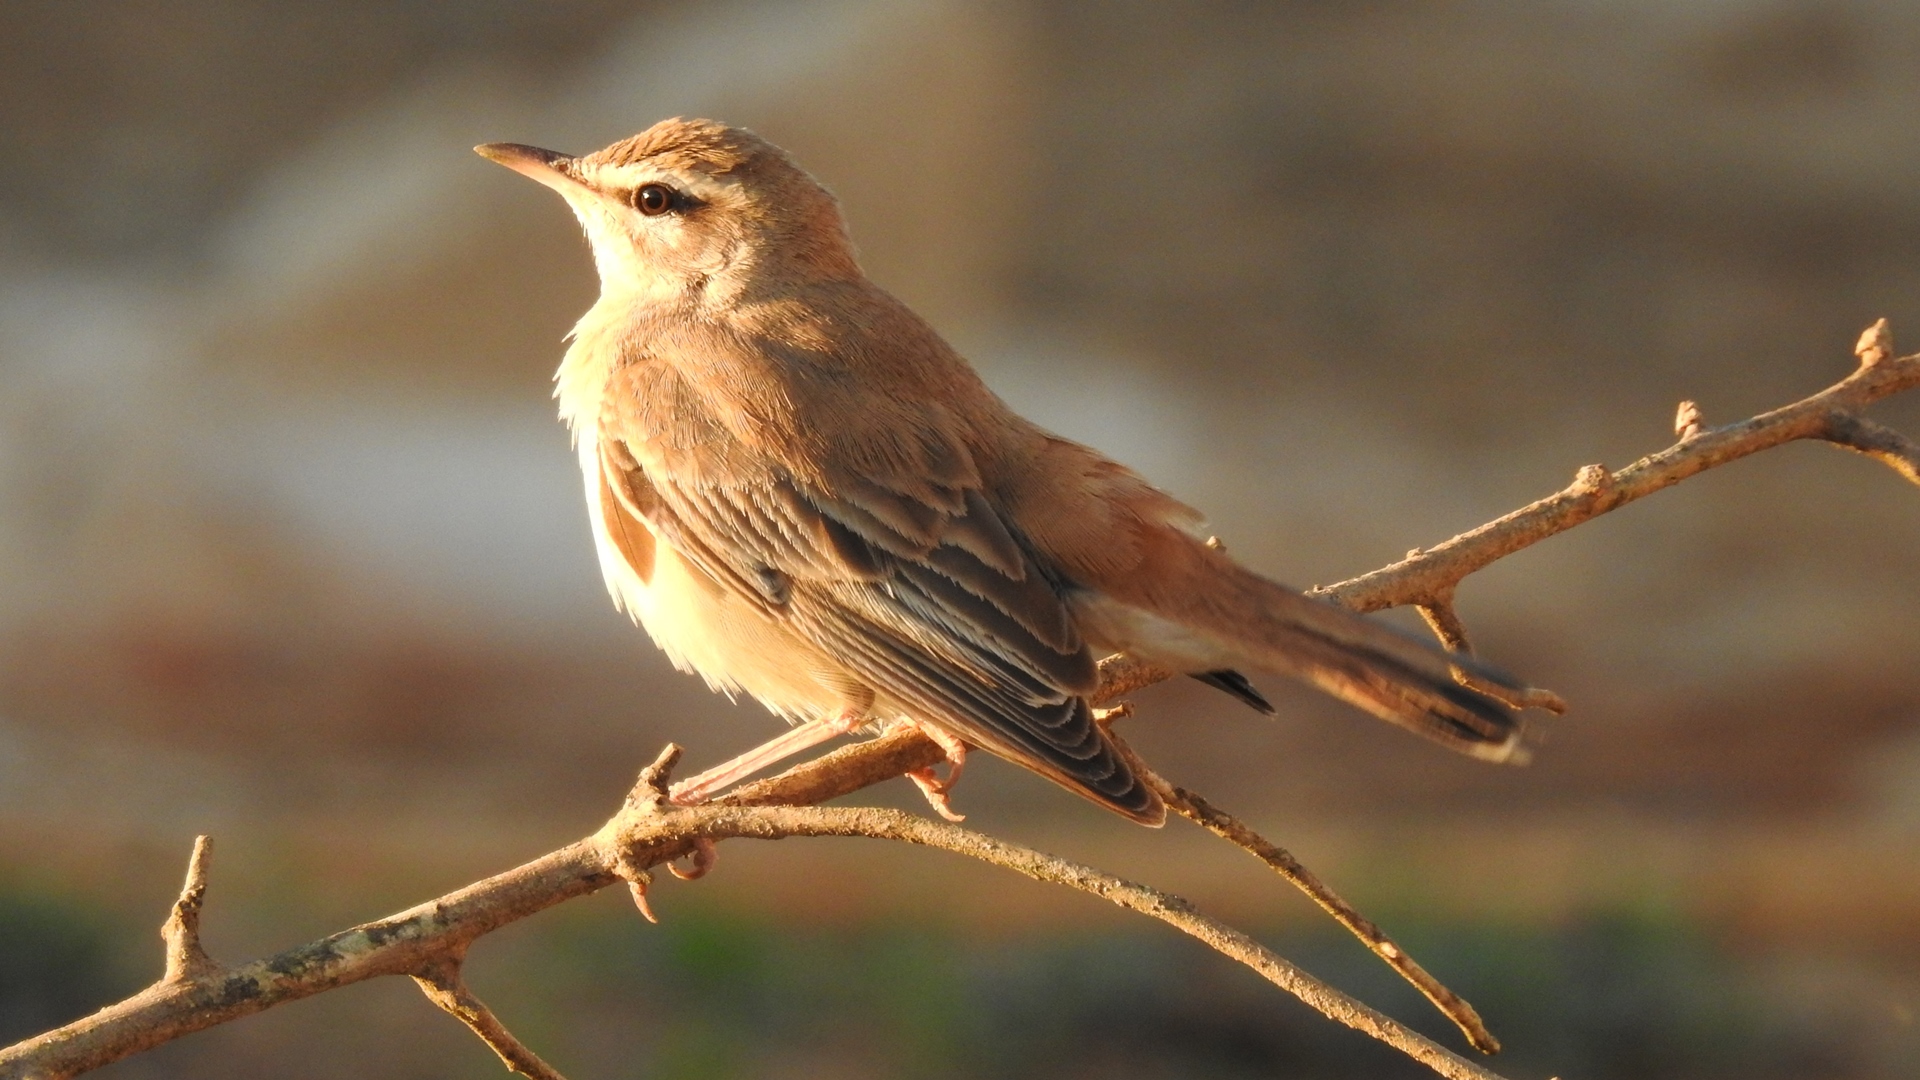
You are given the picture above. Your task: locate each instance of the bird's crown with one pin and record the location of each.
(679, 143)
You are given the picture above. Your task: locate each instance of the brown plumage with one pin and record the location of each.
(805, 494)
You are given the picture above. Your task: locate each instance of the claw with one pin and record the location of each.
(935, 789)
(698, 863)
(929, 782)
(638, 887)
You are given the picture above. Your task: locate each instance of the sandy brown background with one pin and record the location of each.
(292, 549)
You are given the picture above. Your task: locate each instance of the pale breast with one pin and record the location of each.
(701, 627)
(706, 630)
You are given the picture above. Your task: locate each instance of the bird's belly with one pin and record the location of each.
(732, 645)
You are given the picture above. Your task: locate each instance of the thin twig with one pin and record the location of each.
(1831, 415)
(777, 822)
(1445, 623)
(1877, 441)
(441, 980)
(1198, 810)
(186, 957)
(397, 945)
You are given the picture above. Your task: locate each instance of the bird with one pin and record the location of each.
(806, 495)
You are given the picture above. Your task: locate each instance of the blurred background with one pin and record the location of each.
(292, 549)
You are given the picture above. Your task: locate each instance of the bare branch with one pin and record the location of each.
(196, 993)
(440, 979)
(777, 822)
(1121, 675)
(422, 941)
(1832, 414)
(1877, 441)
(186, 958)
(397, 945)
(1198, 810)
(1445, 623)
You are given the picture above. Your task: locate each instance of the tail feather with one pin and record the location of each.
(1249, 621)
(1144, 578)
(1418, 698)
(1372, 665)
(1232, 682)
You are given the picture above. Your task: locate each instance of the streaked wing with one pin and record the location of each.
(933, 601)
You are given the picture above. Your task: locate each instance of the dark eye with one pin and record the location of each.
(653, 199)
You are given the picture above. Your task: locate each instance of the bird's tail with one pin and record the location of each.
(1233, 617)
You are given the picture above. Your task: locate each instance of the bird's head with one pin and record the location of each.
(692, 206)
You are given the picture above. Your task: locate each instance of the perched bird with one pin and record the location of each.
(803, 493)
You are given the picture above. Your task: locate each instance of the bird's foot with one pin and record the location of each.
(935, 789)
(930, 783)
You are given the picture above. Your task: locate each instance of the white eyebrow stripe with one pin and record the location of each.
(702, 186)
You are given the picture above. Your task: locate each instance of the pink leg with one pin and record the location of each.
(698, 789)
(929, 782)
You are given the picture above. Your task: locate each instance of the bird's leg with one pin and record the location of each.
(698, 789)
(929, 782)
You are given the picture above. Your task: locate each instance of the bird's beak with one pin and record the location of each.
(550, 167)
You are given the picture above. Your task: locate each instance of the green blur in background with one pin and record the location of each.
(711, 995)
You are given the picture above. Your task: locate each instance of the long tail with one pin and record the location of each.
(1228, 616)
(1392, 675)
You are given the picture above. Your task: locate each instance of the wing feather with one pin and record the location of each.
(947, 612)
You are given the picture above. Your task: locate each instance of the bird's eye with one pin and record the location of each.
(653, 199)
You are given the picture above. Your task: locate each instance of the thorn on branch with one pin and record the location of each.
(1688, 422)
(1875, 344)
(186, 958)
(440, 979)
